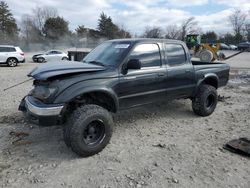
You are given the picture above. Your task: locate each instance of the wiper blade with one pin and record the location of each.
(96, 63)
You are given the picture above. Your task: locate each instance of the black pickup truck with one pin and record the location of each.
(118, 74)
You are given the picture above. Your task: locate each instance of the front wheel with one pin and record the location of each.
(205, 101)
(40, 60)
(88, 130)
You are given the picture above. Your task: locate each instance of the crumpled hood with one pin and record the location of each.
(51, 69)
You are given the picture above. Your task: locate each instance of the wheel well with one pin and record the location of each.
(11, 58)
(211, 81)
(99, 98)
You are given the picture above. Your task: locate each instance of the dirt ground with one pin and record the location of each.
(161, 145)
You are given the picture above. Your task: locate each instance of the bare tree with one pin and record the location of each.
(247, 31)
(26, 27)
(172, 32)
(154, 32)
(29, 32)
(188, 26)
(237, 19)
(41, 14)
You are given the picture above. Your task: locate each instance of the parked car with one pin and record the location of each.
(233, 47)
(52, 55)
(11, 55)
(223, 46)
(244, 46)
(119, 74)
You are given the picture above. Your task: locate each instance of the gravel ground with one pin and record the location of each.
(161, 145)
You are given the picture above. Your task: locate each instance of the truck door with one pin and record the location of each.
(145, 85)
(181, 76)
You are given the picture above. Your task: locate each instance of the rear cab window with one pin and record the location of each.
(148, 54)
(175, 54)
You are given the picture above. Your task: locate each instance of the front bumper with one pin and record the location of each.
(38, 110)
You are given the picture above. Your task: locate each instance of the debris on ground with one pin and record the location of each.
(20, 142)
(160, 145)
(223, 98)
(240, 146)
(20, 136)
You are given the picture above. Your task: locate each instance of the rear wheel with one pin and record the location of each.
(88, 130)
(12, 62)
(205, 101)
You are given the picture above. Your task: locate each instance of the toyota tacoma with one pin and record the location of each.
(116, 75)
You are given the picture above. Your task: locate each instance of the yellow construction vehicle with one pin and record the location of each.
(204, 51)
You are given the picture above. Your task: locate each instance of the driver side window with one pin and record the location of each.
(148, 54)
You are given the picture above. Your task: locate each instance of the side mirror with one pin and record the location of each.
(134, 64)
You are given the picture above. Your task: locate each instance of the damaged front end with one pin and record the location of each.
(37, 105)
(50, 80)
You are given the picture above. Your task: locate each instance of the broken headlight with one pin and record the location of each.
(43, 92)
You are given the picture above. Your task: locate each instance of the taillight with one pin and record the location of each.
(22, 54)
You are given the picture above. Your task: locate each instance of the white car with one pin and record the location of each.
(11, 55)
(52, 55)
(233, 47)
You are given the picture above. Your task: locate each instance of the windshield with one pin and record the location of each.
(108, 53)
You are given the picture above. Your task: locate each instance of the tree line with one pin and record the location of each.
(238, 21)
(45, 25)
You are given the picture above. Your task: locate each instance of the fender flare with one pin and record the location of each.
(71, 93)
(206, 77)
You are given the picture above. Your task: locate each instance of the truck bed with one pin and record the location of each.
(220, 69)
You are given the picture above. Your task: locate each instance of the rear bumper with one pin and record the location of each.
(23, 61)
(35, 109)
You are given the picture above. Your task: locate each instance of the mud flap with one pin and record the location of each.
(22, 106)
(240, 146)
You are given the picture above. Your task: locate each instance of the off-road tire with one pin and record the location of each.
(79, 121)
(12, 62)
(205, 101)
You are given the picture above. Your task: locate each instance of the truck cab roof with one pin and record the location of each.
(135, 40)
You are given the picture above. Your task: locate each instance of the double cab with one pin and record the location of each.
(119, 74)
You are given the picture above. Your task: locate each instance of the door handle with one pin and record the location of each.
(160, 74)
(188, 71)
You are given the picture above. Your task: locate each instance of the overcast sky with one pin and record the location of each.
(135, 15)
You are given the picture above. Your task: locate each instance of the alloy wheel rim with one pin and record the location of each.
(12, 62)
